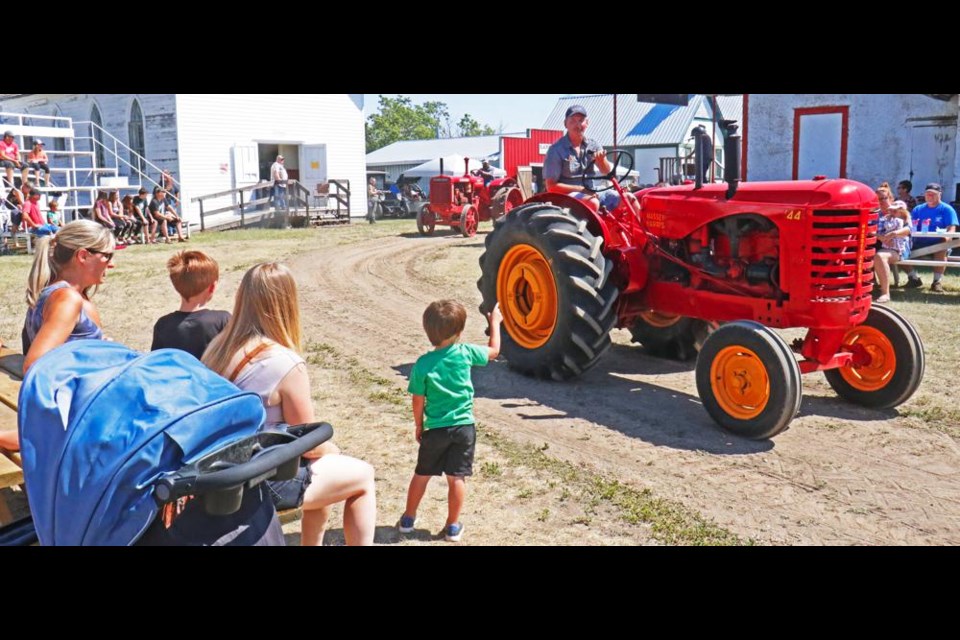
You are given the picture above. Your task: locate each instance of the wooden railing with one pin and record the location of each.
(298, 198)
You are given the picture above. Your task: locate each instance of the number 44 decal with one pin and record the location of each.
(794, 214)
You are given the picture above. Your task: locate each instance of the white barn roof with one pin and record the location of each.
(419, 151)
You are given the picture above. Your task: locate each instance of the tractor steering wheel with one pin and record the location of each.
(621, 154)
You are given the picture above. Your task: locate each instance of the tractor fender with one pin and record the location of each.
(582, 210)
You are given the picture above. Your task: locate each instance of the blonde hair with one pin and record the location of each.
(192, 272)
(53, 253)
(265, 307)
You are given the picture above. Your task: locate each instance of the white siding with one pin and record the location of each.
(210, 125)
(880, 140)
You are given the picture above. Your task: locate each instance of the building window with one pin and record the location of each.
(98, 136)
(135, 136)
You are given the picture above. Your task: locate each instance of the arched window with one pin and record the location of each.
(98, 136)
(135, 135)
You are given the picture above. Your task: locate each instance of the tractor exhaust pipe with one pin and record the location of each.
(441, 166)
(466, 166)
(699, 150)
(731, 157)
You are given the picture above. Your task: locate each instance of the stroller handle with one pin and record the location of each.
(262, 466)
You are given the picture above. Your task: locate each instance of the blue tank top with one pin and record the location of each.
(85, 329)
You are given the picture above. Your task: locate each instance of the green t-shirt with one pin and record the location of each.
(443, 377)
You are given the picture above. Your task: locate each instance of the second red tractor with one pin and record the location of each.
(465, 201)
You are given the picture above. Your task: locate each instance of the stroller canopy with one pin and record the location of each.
(99, 423)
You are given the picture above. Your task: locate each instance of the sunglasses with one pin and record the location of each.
(106, 254)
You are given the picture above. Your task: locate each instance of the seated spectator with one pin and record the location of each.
(195, 276)
(101, 212)
(33, 219)
(258, 352)
(37, 160)
(165, 216)
(903, 193)
(937, 216)
(53, 214)
(13, 204)
(10, 158)
(122, 225)
(67, 270)
(139, 208)
(894, 234)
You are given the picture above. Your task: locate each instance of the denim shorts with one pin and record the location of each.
(288, 494)
(609, 198)
(447, 450)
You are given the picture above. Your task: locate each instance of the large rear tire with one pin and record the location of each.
(555, 292)
(749, 380)
(896, 361)
(670, 336)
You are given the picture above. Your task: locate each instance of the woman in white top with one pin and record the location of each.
(258, 351)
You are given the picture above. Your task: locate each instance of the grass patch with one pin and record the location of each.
(670, 522)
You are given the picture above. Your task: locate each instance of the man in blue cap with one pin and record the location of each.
(563, 167)
(936, 216)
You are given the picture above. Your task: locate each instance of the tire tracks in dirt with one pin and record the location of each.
(840, 475)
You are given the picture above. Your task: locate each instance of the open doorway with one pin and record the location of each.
(268, 152)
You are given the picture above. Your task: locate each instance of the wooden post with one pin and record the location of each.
(241, 208)
(202, 228)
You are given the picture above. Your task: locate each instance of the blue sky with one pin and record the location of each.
(514, 111)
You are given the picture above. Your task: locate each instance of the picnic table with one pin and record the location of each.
(11, 373)
(952, 242)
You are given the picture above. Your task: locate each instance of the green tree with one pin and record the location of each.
(470, 127)
(399, 119)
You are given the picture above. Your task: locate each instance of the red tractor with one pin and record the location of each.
(464, 201)
(711, 267)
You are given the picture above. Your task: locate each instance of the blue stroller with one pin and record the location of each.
(122, 448)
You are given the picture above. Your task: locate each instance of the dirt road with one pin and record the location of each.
(840, 475)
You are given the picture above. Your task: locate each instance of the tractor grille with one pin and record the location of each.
(440, 191)
(842, 245)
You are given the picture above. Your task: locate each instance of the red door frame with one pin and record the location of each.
(844, 133)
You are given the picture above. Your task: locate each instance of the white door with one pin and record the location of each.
(246, 165)
(931, 157)
(820, 141)
(313, 166)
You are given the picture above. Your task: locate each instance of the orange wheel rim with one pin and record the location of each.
(660, 320)
(878, 372)
(528, 296)
(740, 382)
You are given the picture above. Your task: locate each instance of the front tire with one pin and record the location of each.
(894, 361)
(552, 281)
(426, 221)
(468, 222)
(749, 380)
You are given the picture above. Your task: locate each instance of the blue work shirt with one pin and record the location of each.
(564, 163)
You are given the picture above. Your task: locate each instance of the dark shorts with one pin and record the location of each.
(919, 243)
(10, 164)
(447, 450)
(288, 494)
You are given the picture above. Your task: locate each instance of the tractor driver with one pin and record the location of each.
(567, 157)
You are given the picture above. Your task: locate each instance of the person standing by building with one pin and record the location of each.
(278, 173)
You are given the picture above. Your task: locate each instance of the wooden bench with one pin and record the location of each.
(11, 473)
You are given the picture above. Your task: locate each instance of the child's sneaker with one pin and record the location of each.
(453, 532)
(406, 524)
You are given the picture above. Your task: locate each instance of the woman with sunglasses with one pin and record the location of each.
(67, 270)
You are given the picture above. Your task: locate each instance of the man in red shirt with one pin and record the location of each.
(33, 218)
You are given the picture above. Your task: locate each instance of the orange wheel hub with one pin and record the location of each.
(528, 296)
(740, 382)
(660, 320)
(876, 373)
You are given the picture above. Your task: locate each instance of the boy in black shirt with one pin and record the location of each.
(194, 275)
